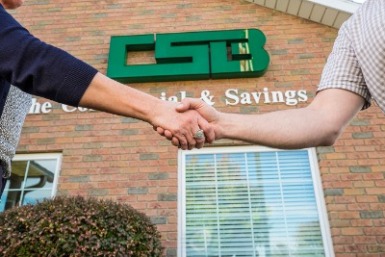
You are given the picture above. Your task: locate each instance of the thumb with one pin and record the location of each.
(189, 104)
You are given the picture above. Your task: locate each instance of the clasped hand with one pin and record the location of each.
(194, 117)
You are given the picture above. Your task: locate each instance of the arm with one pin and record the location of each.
(39, 68)
(107, 95)
(44, 70)
(318, 124)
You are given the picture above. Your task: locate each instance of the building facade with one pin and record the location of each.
(229, 198)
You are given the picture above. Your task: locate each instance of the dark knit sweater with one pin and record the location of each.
(39, 68)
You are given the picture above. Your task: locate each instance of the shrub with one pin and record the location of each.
(74, 226)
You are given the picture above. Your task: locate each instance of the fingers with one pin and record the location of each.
(187, 130)
(208, 116)
(183, 106)
(163, 132)
(175, 141)
(191, 140)
(159, 130)
(189, 103)
(183, 144)
(183, 139)
(208, 130)
(167, 134)
(199, 143)
(184, 125)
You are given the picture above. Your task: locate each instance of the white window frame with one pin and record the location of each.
(317, 185)
(44, 156)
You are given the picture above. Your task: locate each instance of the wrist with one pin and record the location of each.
(221, 127)
(156, 109)
(151, 110)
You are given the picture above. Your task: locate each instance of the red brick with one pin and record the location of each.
(113, 146)
(352, 231)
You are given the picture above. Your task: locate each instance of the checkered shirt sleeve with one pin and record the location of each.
(357, 61)
(342, 69)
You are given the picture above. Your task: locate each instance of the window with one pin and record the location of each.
(251, 201)
(34, 177)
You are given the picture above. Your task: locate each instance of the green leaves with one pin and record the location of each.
(75, 226)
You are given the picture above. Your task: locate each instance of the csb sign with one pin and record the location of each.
(190, 56)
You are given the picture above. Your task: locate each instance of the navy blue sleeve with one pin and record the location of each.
(39, 68)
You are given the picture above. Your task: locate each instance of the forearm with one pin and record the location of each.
(105, 94)
(289, 129)
(318, 124)
(39, 68)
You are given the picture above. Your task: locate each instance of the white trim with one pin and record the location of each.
(328, 12)
(321, 205)
(341, 5)
(317, 187)
(181, 251)
(229, 149)
(36, 156)
(44, 156)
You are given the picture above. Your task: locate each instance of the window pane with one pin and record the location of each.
(250, 204)
(32, 180)
(32, 197)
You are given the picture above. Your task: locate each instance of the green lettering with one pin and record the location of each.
(190, 56)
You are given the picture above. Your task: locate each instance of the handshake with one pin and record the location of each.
(194, 124)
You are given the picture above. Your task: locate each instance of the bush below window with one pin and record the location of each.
(74, 226)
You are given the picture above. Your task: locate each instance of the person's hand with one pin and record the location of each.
(206, 111)
(209, 113)
(181, 125)
(105, 94)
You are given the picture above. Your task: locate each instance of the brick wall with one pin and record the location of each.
(123, 159)
(353, 177)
